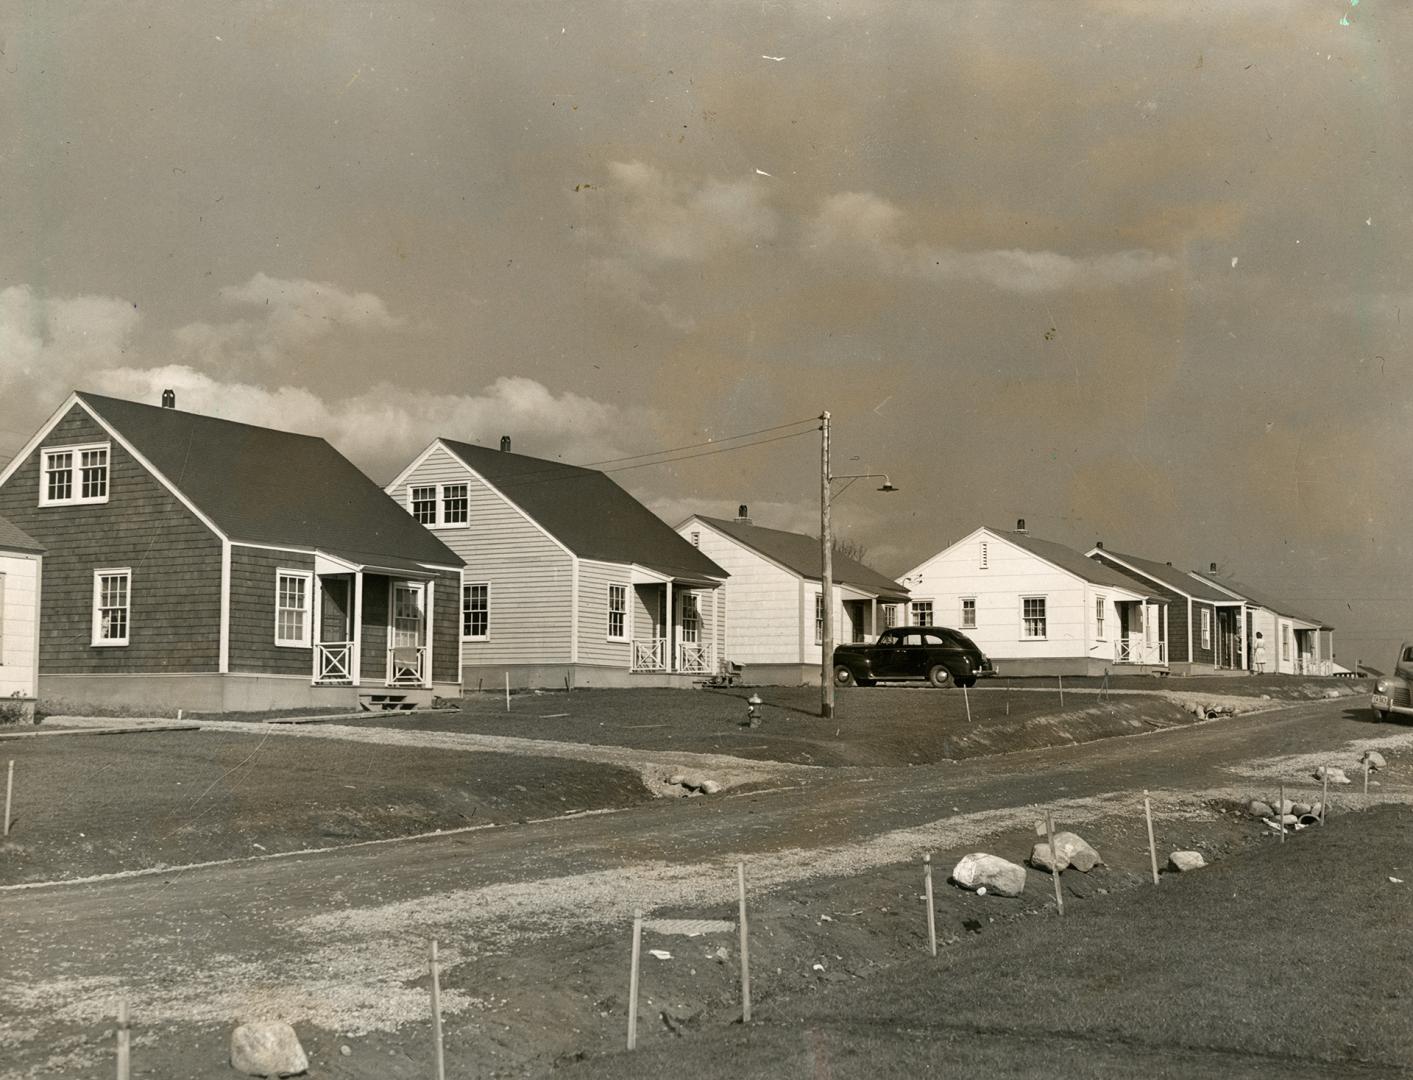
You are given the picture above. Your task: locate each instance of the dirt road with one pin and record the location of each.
(336, 941)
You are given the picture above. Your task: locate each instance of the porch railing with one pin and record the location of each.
(333, 663)
(1133, 651)
(1307, 665)
(650, 654)
(406, 664)
(694, 658)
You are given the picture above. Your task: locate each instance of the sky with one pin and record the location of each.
(1130, 271)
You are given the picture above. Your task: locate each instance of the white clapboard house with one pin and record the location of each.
(21, 566)
(775, 597)
(569, 580)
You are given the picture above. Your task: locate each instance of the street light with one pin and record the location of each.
(826, 558)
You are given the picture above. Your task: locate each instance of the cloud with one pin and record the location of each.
(859, 225)
(660, 218)
(292, 313)
(384, 426)
(628, 282)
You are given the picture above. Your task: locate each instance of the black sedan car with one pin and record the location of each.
(939, 654)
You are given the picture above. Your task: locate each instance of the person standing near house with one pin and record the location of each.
(1260, 654)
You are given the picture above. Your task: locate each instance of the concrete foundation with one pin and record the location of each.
(487, 679)
(213, 692)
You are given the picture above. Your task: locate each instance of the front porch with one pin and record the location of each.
(1143, 634)
(675, 628)
(373, 632)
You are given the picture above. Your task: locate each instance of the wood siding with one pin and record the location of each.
(765, 623)
(446, 629)
(530, 576)
(1177, 607)
(374, 647)
(594, 646)
(175, 561)
(253, 579)
(19, 623)
(1199, 654)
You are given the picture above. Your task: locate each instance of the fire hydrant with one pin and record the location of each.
(753, 704)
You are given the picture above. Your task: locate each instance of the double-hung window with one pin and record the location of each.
(1099, 617)
(1033, 617)
(1206, 628)
(293, 603)
(969, 612)
(73, 474)
(436, 505)
(818, 618)
(112, 606)
(476, 611)
(922, 612)
(424, 504)
(618, 613)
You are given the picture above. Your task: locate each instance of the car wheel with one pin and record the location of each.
(1379, 716)
(971, 681)
(843, 676)
(939, 676)
(867, 682)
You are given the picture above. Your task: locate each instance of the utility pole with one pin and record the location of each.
(826, 580)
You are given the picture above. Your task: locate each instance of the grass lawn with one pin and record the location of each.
(1279, 687)
(874, 726)
(1291, 960)
(98, 804)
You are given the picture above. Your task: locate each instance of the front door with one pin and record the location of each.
(405, 634)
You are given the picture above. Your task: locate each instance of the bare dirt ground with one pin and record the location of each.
(532, 918)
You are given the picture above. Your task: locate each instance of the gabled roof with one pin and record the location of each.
(587, 512)
(260, 485)
(1065, 558)
(800, 553)
(13, 538)
(1168, 575)
(1260, 599)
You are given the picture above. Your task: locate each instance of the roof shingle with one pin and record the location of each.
(801, 553)
(1090, 570)
(13, 538)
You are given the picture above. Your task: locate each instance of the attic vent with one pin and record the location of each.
(985, 564)
(696, 539)
(169, 399)
(505, 444)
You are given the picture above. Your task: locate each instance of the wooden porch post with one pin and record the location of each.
(355, 661)
(669, 661)
(427, 631)
(316, 632)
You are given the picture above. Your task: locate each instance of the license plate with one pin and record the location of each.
(1382, 701)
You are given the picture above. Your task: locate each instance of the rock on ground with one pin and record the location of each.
(1335, 776)
(990, 872)
(1260, 809)
(1373, 759)
(1183, 861)
(267, 1048)
(1072, 851)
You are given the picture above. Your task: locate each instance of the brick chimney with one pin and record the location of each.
(505, 444)
(169, 399)
(1020, 525)
(742, 515)
(1213, 569)
(1099, 544)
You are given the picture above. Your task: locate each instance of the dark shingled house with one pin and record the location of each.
(199, 563)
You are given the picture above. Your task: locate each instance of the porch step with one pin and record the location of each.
(385, 703)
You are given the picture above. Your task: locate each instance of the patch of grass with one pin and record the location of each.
(875, 726)
(96, 805)
(1290, 960)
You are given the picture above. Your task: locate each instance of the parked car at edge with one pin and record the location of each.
(1392, 693)
(939, 654)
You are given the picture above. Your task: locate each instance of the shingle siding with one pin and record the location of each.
(175, 561)
(253, 580)
(1177, 607)
(529, 574)
(446, 628)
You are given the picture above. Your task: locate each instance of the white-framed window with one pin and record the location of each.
(423, 502)
(890, 616)
(1285, 641)
(440, 505)
(456, 505)
(819, 618)
(112, 606)
(294, 596)
(1099, 617)
(921, 612)
(73, 474)
(969, 612)
(618, 613)
(1032, 616)
(476, 611)
(984, 563)
(1206, 628)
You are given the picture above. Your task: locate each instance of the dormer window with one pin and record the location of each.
(73, 474)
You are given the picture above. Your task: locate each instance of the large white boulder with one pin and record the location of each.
(1071, 851)
(1373, 759)
(991, 872)
(1182, 861)
(1334, 775)
(267, 1048)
